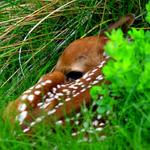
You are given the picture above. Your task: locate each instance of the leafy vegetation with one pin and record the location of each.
(128, 96)
(32, 36)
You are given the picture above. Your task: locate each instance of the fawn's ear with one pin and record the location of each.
(123, 23)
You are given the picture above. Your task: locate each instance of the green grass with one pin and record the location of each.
(25, 56)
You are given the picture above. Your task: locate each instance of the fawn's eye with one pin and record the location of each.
(74, 75)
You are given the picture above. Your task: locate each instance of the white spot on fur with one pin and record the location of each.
(23, 97)
(48, 100)
(76, 94)
(31, 97)
(49, 93)
(62, 85)
(89, 86)
(101, 124)
(38, 86)
(22, 107)
(57, 106)
(40, 104)
(83, 90)
(59, 122)
(83, 86)
(43, 83)
(37, 92)
(45, 105)
(95, 82)
(80, 83)
(88, 79)
(100, 77)
(39, 119)
(26, 130)
(68, 99)
(60, 104)
(58, 86)
(103, 62)
(32, 123)
(51, 111)
(90, 74)
(101, 65)
(56, 96)
(73, 87)
(60, 94)
(78, 80)
(48, 81)
(21, 117)
(85, 76)
(94, 70)
(65, 90)
(54, 90)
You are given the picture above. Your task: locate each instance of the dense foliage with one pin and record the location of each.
(127, 98)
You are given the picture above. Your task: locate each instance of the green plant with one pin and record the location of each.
(127, 98)
(148, 12)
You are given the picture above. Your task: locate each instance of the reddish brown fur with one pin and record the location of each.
(82, 54)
